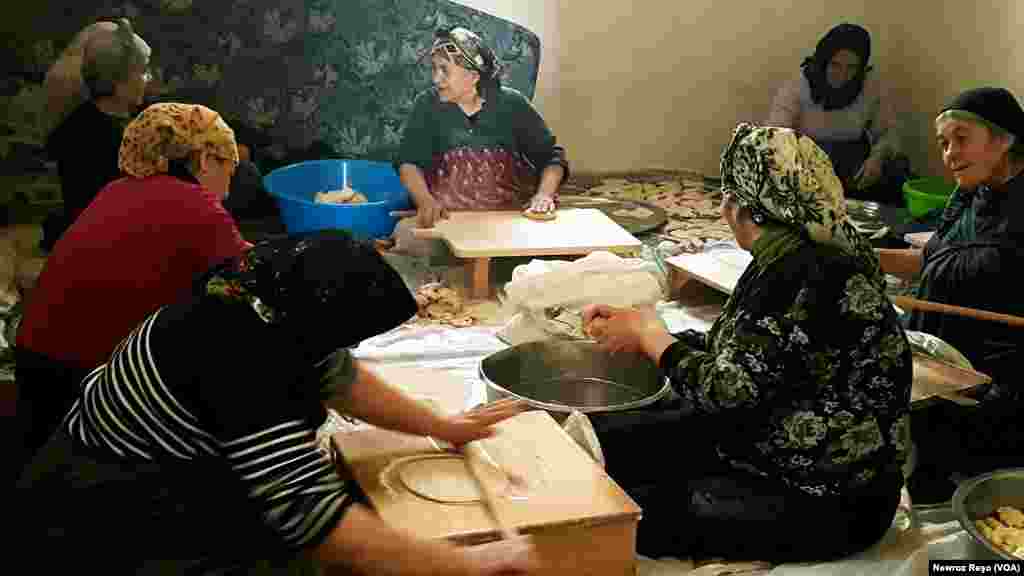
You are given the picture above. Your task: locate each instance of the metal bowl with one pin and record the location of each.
(978, 497)
(561, 376)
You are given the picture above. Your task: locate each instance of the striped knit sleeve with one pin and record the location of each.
(296, 485)
(217, 381)
(264, 408)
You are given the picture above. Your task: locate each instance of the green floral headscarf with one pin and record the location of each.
(783, 176)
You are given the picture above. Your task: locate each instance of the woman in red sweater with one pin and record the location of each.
(137, 246)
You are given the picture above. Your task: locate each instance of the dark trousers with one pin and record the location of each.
(694, 505)
(46, 391)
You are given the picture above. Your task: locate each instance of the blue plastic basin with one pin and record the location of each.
(295, 187)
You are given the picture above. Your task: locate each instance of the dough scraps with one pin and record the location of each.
(343, 196)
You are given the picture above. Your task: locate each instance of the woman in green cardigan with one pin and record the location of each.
(472, 144)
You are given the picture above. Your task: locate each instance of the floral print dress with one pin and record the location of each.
(809, 357)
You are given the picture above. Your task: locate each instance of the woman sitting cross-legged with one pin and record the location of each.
(796, 428)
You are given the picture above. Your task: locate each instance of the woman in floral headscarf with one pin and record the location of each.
(202, 445)
(799, 393)
(138, 245)
(473, 144)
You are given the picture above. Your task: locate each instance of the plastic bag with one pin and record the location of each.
(548, 296)
(935, 347)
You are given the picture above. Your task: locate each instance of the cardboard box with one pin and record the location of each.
(582, 522)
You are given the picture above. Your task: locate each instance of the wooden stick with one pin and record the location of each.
(908, 303)
(476, 458)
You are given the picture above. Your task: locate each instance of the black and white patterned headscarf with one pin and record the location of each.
(784, 176)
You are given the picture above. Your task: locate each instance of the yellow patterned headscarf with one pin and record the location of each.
(172, 131)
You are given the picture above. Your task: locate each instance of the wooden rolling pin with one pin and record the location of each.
(476, 459)
(908, 303)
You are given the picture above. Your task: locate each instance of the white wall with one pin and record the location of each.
(542, 18)
(661, 83)
(940, 53)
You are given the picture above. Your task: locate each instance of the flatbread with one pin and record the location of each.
(445, 480)
(638, 213)
(543, 216)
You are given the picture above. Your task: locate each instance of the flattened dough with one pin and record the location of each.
(445, 480)
(540, 215)
(639, 213)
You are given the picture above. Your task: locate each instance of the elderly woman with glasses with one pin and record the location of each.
(794, 404)
(472, 144)
(137, 246)
(94, 89)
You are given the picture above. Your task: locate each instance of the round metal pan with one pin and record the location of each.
(561, 376)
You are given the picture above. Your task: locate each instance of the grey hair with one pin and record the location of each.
(111, 58)
(1016, 150)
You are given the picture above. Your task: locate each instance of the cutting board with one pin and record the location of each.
(918, 239)
(582, 522)
(720, 270)
(936, 378)
(509, 233)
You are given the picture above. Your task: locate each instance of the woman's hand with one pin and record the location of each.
(541, 204)
(869, 173)
(428, 212)
(637, 330)
(504, 557)
(477, 423)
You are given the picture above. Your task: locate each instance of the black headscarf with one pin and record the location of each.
(843, 37)
(996, 105)
(323, 290)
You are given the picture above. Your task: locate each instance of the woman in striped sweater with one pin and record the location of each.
(196, 447)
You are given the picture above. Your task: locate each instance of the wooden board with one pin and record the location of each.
(918, 239)
(930, 376)
(721, 271)
(494, 234)
(936, 378)
(566, 488)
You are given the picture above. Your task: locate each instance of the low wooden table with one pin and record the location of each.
(479, 236)
(932, 377)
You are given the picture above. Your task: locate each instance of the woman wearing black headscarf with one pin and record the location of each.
(970, 261)
(199, 447)
(836, 103)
